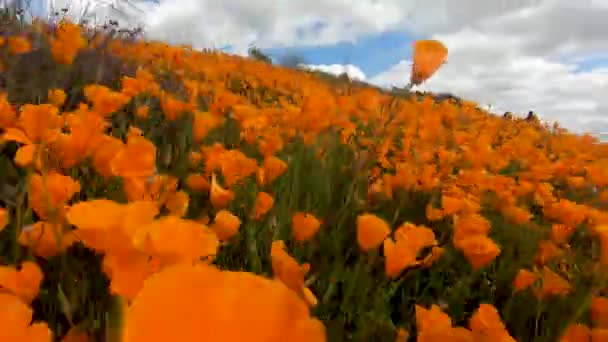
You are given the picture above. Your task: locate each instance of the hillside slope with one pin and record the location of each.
(126, 167)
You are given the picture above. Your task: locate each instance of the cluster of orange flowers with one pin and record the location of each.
(160, 264)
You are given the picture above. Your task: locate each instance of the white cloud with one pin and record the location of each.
(352, 71)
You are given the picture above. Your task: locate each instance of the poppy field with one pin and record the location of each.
(151, 192)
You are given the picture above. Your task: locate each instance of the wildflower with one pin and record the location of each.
(19, 45)
(561, 233)
(304, 226)
(225, 225)
(552, 284)
(57, 97)
(270, 312)
(136, 159)
(285, 267)
(547, 251)
(371, 231)
(486, 325)
(37, 124)
(272, 167)
(219, 196)
(48, 194)
(203, 123)
(410, 240)
(103, 155)
(67, 43)
(128, 272)
(434, 325)
(105, 101)
(176, 240)
(16, 320)
(524, 279)
(142, 112)
(46, 239)
(177, 203)
(263, 203)
(24, 283)
(197, 182)
(479, 250)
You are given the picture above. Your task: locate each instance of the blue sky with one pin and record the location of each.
(372, 54)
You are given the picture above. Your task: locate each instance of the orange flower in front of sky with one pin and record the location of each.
(239, 306)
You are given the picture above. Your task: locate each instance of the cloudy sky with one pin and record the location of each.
(550, 56)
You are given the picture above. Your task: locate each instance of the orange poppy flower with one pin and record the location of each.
(371, 231)
(429, 55)
(49, 194)
(219, 196)
(46, 239)
(304, 226)
(524, 279)
(479, 250)
(16, 318)
(263, 203)
(266, 310)
(487, 325)
(225, 225)
(24, 283)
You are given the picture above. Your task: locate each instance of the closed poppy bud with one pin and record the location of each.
(219, 196)
(371, 231)
(263, 204)
(304, 226)
(225, 225)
